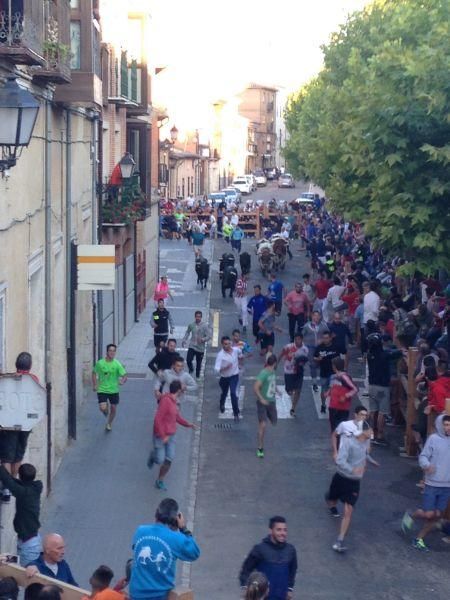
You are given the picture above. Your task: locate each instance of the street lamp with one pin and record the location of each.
(18, 113)
(174, 134)
(127, 166)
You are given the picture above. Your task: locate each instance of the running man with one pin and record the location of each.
(107, 375)
(164, 428)
(265, 388)
(256, 307)
(295, 356)
(241, 300)
(198, 333)
(345, 485)
(227, 366)
(435, 462)
(161, 323)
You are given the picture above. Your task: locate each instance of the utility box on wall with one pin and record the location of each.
(22, 402)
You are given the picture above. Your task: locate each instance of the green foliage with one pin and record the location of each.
(373, 128)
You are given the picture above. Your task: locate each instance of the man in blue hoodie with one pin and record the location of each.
(156, 550)
(276, 558)
(435, 462)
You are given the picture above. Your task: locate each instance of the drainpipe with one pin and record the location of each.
(70, 292)
(48, 285)
(98, 236)
(94, 228)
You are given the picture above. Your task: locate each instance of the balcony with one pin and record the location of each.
(22, 31)
(56, 45)
(123, 204)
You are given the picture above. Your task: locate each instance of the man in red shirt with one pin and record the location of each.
(322, 286)
(298, 306)
(164, 428)
(352, 297)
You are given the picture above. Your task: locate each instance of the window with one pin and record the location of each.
(2, 329)
(74, 3)
(134, 147)
(75, 45)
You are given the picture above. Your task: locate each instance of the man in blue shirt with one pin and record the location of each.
(276, 289)
(257, 306)
(156, 550)
(51, 561)
(236, 238)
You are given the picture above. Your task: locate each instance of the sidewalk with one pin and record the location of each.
(103, 488)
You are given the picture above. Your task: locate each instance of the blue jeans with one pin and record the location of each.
(229, 383)
(29, 550)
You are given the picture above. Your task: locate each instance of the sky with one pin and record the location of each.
(213, 48)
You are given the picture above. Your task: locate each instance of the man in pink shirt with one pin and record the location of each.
(164, 428)
(298, 306)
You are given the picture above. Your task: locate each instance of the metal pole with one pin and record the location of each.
(48, 285)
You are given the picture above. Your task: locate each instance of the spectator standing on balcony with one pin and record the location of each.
(156, 548)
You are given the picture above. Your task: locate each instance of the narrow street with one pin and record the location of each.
(103, 488)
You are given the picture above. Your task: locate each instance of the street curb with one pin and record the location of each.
(195, 454)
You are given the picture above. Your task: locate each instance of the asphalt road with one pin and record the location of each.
(237, 492)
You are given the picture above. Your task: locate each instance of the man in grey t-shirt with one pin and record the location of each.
(198, 334)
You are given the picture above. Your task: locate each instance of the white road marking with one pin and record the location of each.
(284, 403)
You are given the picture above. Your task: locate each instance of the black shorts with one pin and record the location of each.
(112, 398)
(267, 412)
(267, 339)
(13, 445)
(336, 416)
(157, 339)
(344, 489)
(293, 382)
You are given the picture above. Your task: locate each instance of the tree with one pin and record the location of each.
(373, 128)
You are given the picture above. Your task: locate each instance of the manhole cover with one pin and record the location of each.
(223, 426)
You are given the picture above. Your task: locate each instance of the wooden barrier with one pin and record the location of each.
(411, 412)
(70, 592)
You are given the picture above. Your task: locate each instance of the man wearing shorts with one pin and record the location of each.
(295, 356)
(164, 428)
(435, 462)
(323, 355)
(267, 329)
(107, 375)
(345, 485)
(265, 389)
(379, 365)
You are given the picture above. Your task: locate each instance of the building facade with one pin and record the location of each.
(94, 106)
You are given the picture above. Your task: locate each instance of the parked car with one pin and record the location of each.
(261, 179)
(251, 179)
(243, 185)
(232, 195)
(306, 198)
(286, 181)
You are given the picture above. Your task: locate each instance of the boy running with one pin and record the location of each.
(107, 375)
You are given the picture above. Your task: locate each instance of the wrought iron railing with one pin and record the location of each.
(22, 24)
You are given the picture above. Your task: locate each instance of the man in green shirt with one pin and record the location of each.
(107, 375)
(265, 389)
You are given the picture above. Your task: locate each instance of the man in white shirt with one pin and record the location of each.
(334, 295)
(227, 366)
(234, 219)
(349, 428)
(371, 302)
